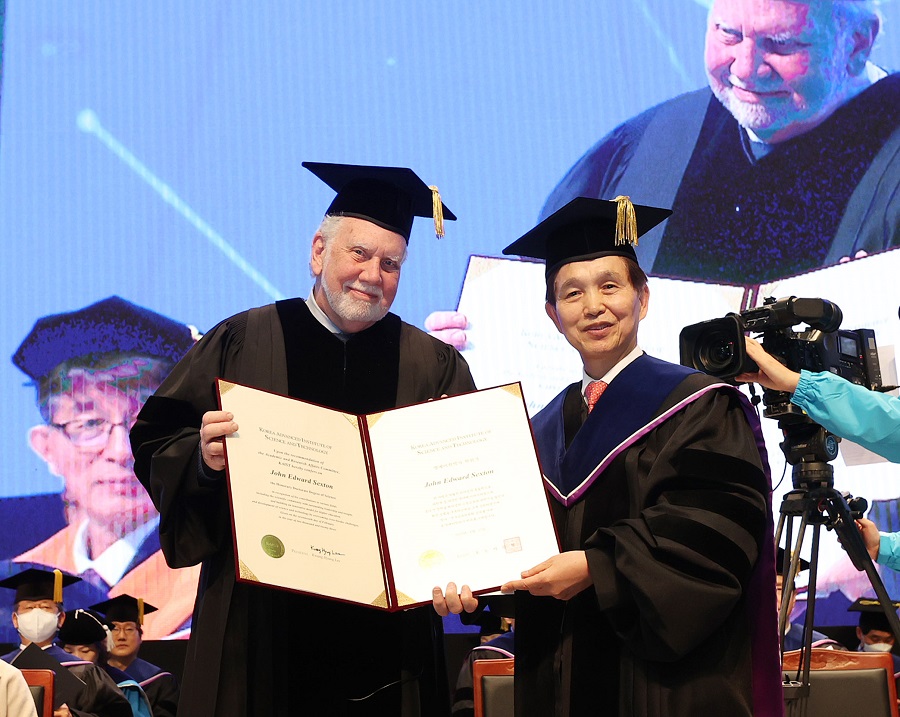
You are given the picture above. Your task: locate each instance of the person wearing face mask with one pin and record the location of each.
(37, 616)
(874, 631)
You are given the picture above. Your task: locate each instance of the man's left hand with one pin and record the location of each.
(563, 576)
(453, 601)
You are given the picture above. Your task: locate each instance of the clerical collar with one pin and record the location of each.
(112, 562)
(613, 372)
(322, 317)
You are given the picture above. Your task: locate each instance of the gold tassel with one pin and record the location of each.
(437, 209)
(140, 602)
(57, 585)
(626, 221)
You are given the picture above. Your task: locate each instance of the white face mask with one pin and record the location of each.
(38, 625)
(877, 647)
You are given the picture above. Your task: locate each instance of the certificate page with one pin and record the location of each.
(300, 497)
(461, 492)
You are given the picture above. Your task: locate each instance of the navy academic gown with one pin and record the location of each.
(666, 489)
(161, 687)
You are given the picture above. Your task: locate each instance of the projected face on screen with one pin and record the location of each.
(86, 444)
(780, 67)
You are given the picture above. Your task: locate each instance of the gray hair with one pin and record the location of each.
(328, 230)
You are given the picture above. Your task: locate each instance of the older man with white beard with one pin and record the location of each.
(255, 650)
(792, 151)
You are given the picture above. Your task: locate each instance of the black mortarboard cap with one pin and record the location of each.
(586, 229)
(387, 196)
(110, 325)
(779, 563)
(868, 604)
(124, 608)
(38, 584)
(81, 627)
(872, 615)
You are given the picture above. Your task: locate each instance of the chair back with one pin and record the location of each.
(844, 683)
(493, 686)
(40, 682)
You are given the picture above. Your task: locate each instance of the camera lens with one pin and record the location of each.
(716, 353)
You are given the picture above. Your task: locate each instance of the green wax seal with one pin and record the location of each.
(272, 546)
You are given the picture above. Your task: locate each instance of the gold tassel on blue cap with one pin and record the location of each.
(437, 209)
(57, 585)
(140, 607)
(626, 221)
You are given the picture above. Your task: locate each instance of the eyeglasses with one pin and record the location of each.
(125, 630)
(92, 432)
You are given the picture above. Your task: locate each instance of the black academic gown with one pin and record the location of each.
(253, 650)
(99, 697)
(824, 195)
(664, 487)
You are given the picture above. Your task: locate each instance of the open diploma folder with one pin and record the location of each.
(379, 509)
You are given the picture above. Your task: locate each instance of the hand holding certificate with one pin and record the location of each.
(379, 509)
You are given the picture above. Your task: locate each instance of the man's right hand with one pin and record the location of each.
(772, 373)
(870, 535)
(213, 428)
(449, 327)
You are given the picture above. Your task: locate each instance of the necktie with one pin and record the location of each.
(593, 391)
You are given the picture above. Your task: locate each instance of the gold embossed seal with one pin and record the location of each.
(272, 546)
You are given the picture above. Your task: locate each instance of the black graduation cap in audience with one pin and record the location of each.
(124, 608)
(872, 615)
(82, 627)
(39, 584)
(387, 196)
(586, 229)
(110, 325)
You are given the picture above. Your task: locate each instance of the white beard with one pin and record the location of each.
(350, 308)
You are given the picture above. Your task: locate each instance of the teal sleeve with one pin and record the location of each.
(866, 417)
(889, 551)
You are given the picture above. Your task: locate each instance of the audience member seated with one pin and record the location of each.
(125, 619)
(37, 616)
(85, 636)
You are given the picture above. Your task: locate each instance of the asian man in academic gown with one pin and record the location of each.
(662, 602)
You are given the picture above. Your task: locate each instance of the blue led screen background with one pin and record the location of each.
(152, 150)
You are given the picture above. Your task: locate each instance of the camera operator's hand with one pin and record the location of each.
(870, 535)
(772, 373)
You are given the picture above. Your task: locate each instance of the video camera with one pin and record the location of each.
(717, 346)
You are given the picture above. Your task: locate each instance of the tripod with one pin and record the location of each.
(809, 448)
